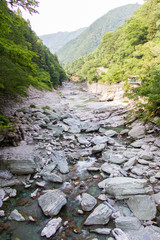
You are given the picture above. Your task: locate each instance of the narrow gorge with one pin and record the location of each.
(85, 168)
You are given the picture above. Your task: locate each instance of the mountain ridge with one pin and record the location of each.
(55, 41)
(89, 40)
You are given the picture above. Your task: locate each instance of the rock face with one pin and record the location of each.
(51, 202)
(138, 131)
(127, 223)
(100, 215)
(88, 202)
(51, 227)
(124, 187)
(143, 207)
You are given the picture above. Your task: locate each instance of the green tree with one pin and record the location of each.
(29, 5)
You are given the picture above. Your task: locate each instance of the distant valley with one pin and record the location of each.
(55, 41)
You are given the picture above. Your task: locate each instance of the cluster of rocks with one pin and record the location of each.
(127, 169)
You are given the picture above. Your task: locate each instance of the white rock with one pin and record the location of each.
(88, 202)
(100, 215)
(143, 207)
(51, 227)
(15, 215)
(52, 201)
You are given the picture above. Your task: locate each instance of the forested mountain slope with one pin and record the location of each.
(24, 60)
(55, 41)
(134, 49)
(87, 41)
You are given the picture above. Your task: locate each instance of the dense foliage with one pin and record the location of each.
(55, 41)
(91, 38)
(132, 50)
(24, 60)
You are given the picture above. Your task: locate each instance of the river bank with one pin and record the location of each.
(82, 164)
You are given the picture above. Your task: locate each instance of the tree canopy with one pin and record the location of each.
(28, 5)
(24, 60)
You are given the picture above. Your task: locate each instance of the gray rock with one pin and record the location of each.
(98, 148)
(147, 233)
(51, 202)
(106, 155)
(93, 128)
(110, 168)
(137, 143)
(157, 175)
(20, 166)
(100, 215)
(2, 213)
(119, 234)
(51, 227)
(130, 163)
(129, 153)
(110, 133)
(147, 155)
(127, 223)
(138, 131)
(75, 129)
(83, 140)
(52, 177)
(125, 131)
(143, 207)
(157, 199)
(60, 160)
(72, 122)
(88, 202)
(99, 140)
(157, 142)
(6, 175)
(2, 194)
(124, 187)
(15, 215)
(104, 231)
(117, 159)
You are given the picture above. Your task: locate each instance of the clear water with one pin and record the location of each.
(84, 182)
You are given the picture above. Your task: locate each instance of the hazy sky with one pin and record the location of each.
(70, 15)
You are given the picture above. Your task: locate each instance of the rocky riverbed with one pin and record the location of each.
(82, 171)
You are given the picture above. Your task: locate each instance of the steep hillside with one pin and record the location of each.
(24, 60)
(133, 50)
(55, 41)
(87, 41)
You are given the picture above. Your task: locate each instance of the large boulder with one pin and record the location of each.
(143, 207)
(124, 187)
(88, 202)
(127, 223)
(20, 166)
(52, 201)
(100, 215)
(137, 132)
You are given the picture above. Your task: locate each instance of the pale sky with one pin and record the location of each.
(70, 15)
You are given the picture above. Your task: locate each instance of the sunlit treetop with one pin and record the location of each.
(28, 5)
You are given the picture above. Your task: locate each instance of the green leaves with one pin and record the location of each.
(28, 5)
(24, 60)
